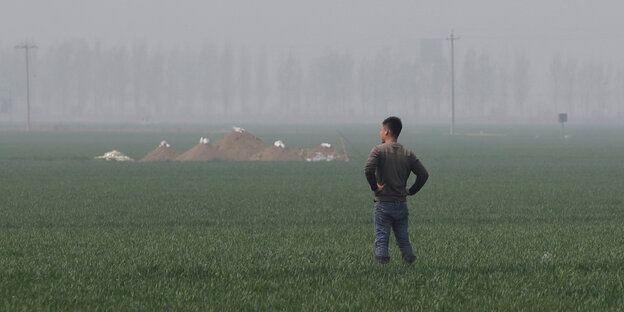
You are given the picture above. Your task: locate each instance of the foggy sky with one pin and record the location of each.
(552, 26)
(152, 60)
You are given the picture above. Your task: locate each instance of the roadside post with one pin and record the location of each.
(563, 117)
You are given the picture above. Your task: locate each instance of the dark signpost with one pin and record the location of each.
(563, 117)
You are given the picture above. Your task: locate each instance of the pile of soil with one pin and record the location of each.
(161, 153)
(201, 152)
(275, 153)
(239, 145)
(322, 153)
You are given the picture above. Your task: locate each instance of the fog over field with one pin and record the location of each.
(198, 61)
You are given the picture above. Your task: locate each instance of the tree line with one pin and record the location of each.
(76, 80)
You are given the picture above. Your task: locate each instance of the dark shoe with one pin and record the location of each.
(381, 260)
(409, 259)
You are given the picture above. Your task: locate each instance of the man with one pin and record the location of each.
(387, 169)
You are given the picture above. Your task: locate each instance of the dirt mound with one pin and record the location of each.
(201, 152)
(324, 152)
(239, 145)
(161, 153)
(276, 153)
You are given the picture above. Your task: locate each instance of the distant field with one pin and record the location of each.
(527, 221)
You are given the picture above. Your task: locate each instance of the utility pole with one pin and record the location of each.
(26, 48)
(452, 38)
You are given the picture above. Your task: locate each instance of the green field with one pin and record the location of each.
(505, 223)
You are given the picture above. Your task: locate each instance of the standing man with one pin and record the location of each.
(387, 169)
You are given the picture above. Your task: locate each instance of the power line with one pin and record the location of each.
(26, 48)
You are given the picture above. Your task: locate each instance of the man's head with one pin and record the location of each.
(390, 129)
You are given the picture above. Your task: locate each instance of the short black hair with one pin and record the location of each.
(394, 125)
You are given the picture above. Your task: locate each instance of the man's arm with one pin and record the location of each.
(421, 176)
(370, 168)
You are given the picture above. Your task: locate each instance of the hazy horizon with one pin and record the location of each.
(525, 59)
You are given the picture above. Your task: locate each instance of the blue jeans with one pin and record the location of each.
(391, 215)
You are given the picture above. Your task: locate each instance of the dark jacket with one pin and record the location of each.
(390, 164)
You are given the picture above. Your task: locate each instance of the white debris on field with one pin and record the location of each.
(279, 143)
(114, 155)
(318, 156)
(547, 256)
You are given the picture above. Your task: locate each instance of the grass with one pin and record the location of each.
(505, 223)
